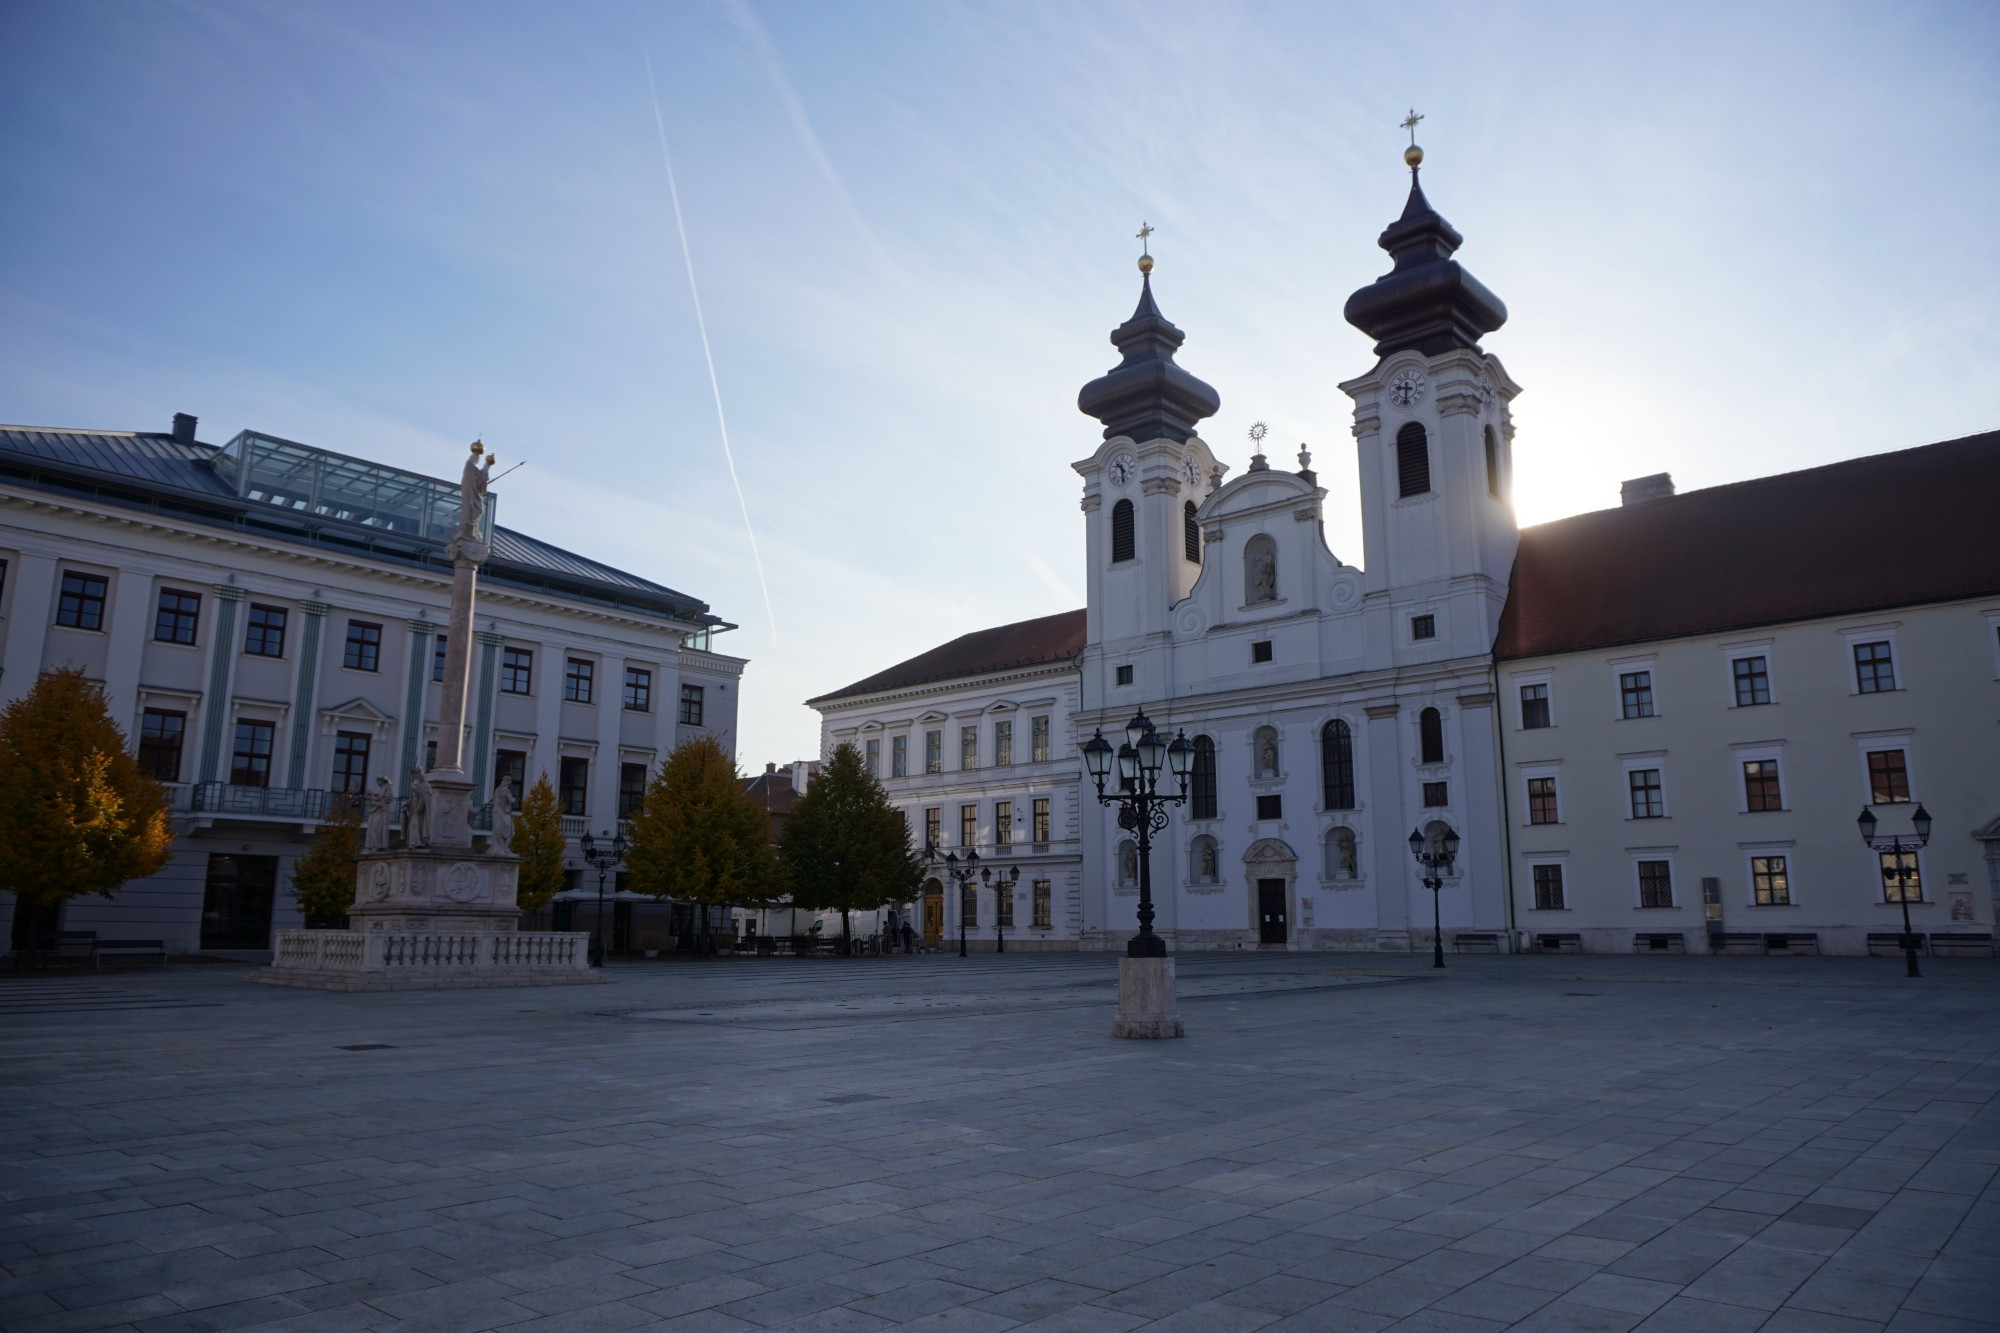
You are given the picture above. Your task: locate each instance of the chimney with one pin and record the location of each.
(1639, 490)
(184, 428)
(770, 768)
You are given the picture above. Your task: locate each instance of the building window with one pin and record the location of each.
(1336, 765)
(1656, 884)
(1874, 669)
(578, 677)
(1760, 785)
(1647, 802)
(350, 762)
(1271, 807)
(1040, 811)
(517, 671)
(160, 735)
(1190, 534)
(692, 709)
(1203, 773)
(250, 761)
(1770, 883)
(873, 761)
(82, 602)
(176, 619)
(1003, 903)
(437, 659)
(1888, 778)
(1423, 627)
(1430, 736)
(1122, 546)
(933, 826)
(1038, 733)
(1003, 744)
(968, 825)
(1043, 915)
(1124, 676)
(430, 754)
(1437, 794)
(1260, 651)
(1492, 463)
(968, 748)
(1413, 461)
(1534, 707)
(1753, 680)
(1635, 694)
(1003, 823)
(265, 636)
(638, 690)
(631, 790)
(364, 647)
(899, 756)
(511, 767)
(575, 789)
(968, 902)
(934, 752)
(1548, 888)
(1542, 801)
(1900, 878)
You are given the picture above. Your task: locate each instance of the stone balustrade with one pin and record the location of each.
(427, 960)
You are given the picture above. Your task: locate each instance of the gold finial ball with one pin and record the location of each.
(1413, 156)
(478, 446)
(1145, 263)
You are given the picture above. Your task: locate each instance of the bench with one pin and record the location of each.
(1465, 941)
(1888, 943)
(1560, 942)
(1977, 942)
(1731, 941)
(1791, 941)
(155, 949)
(1659, 941)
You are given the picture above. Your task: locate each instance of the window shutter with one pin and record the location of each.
(1413, 461)
(1121, 531)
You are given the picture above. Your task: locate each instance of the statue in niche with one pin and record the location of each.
(1343, 853)
(417, 813)
(1260, 571)
(1128, 864)
(375, 832)
(1209, 871)
(1267, 756)
(503, 814)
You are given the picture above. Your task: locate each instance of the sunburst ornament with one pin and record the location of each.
(1258, 430)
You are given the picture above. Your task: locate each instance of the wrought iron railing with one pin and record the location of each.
(227, 798)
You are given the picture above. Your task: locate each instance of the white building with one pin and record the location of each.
(266, 620)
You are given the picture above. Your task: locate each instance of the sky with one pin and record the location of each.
(1734, 239)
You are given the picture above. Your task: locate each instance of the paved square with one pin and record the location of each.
(1341, 1143)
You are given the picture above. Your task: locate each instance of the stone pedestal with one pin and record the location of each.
(1147, 1007)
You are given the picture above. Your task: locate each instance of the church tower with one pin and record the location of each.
(1434, 432)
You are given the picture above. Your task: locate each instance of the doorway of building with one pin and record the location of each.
(236, 903)
(933, 914)
(1271, 911)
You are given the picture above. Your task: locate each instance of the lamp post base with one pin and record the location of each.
(1147, 1008)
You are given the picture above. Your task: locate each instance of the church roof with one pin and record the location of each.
(1870, 534)
(1147, 396)
(1427, 302)
(1057, 638)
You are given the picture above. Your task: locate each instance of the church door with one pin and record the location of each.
(1271, 910)
(933, 914)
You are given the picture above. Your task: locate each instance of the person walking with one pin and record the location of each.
(909, 937)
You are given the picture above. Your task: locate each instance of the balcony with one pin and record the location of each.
(289, 803)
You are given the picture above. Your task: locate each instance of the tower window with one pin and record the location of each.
(1437, 794)
(1122, 546)
(1430, 736)
(1413, 461)
(1271, 807)
(1492, 463)
(1260, 651)
(1423, 627)
(1190, 533)
(1124, 676)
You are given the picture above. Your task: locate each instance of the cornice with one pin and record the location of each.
(951, 685)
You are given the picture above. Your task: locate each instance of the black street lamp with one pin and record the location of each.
(603, 857)
(1902, 872)
(1002, 886)
(962, 873)
(1436, 864)
(1142, 808)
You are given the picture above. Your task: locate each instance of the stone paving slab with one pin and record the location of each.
(1342, 1142)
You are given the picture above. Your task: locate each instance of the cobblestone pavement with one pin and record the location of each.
(1341, 1143)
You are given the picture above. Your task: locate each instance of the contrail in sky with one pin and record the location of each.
(701, 324)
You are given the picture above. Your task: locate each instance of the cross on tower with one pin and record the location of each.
(1410, 124)
(1145, 230)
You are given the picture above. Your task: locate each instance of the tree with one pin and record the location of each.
(76, 814)
(698, 837)
(845, 847)
(323, 880)
(538, 840)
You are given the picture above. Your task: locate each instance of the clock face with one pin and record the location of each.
(1406, 388)
(1487, 394)
(1193, 470)
(1121, 469)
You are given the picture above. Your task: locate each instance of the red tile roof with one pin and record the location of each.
(1057, 638)
(1898, 529)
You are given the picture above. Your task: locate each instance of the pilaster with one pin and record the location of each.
(1387, 829)
(127, 635)
(413, 700)
(307, 687)
(221, 663)
(482, 736)
(27, 627)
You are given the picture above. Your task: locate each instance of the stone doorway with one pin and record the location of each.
(1271, 921)
(1270, 875)
(236, 901)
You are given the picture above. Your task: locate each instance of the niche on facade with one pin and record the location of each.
(1128, 866)
(1342, 858)
(1260, 570)
(1266, 760)
(1204, 863)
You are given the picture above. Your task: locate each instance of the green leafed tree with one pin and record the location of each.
(76, 814)
(698, 837)
(323, 879)
(538, 841)
(845, 848)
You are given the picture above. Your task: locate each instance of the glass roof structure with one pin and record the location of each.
(305, 480)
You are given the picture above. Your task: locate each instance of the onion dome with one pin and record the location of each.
(1427, 302)
(1146, 396)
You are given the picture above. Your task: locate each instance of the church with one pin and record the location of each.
(1644, 729)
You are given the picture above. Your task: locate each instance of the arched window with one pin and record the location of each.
(1340, 853)
(1336, 765)
(1204, 861)
(1413, 461)
(1204, 779)
(1190, 533)
(1265, 747)
(1128, 862)
(1260, 570)
(1121, 531)
(1492, 463)
(1430, 736)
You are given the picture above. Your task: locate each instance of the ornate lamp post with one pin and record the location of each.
(1002, 885)
(603, 857)
(1900, 874)
(1436, 864)
(1142, 807)
(961, 873)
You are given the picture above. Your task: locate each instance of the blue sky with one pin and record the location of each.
(1734, 239)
